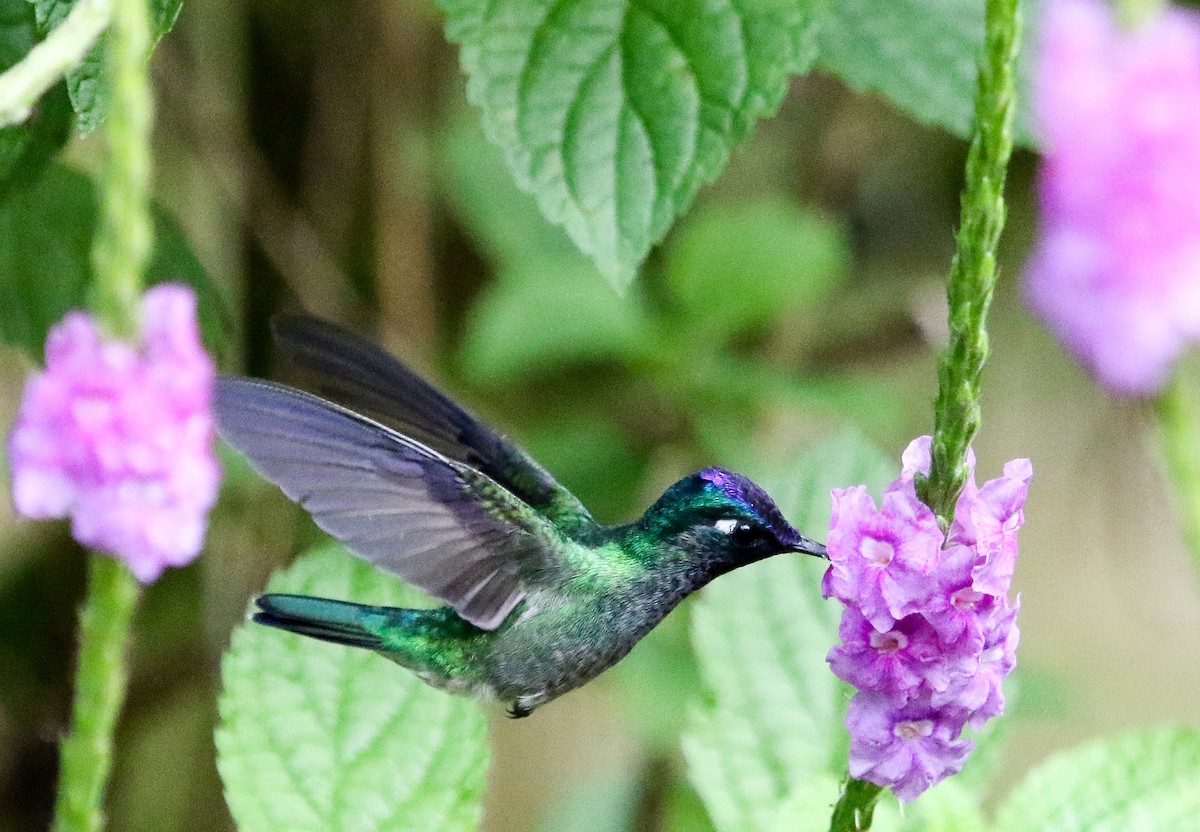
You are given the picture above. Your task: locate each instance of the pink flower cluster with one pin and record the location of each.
(928, 632)
(120, 436)
(1116, 272)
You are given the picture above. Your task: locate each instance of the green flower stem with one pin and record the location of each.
(119, 255)
(125, 235)
(969, 291)
(855, 807)
(24, 83)
(99, 693)
(1179, 417)
(1135, 12)
(973, 271)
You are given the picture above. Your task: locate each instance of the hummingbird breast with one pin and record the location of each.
(558, 641)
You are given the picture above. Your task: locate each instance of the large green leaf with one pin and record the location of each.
(919, 54)
(738, 264)
(25, 147)
(84, 82)
(548, 305)
(614, 112)
(317, 737)
(543, 314)
(761, 634)
(1140, 782)
(46, 233)
(503, 220)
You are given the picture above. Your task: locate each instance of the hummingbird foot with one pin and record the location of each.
(523, 706)
(519, 710)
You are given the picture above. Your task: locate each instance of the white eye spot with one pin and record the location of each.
(726, 526)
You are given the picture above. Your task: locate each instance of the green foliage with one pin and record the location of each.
(919, 54)
(947, 807)
(604, 804)
(548, 306)
(25, 148)
(741, 264)
(773, 723)
(591, 457)
(545, 314)
(46, 233)
(317, 737)
(614, 113)
(737, 265)
(83, 82)
(1141, 781)
(503, 220)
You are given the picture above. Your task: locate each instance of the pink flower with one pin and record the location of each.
(1116, 273)
(894, 663)
(881, 558)
(996, 515)
(909, 747)
(120, 436)
(928, 634)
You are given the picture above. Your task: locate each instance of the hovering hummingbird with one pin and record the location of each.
(541, 598)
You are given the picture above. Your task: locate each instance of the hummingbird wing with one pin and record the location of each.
(353, 371)
(399, 504)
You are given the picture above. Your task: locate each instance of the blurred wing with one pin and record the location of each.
(400, 505)
(349, 369)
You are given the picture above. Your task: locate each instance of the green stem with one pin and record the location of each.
(969, 291)
(63, 49)
(125, 236)
(119, 255)
(99, 693)
(1133, 13)
(1180, 423)
(855, 807)
(973, 271)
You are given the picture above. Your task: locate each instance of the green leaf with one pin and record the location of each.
(317, 737)
(502, 219)
(46, 233)
(947, 807)
(590, 454)
(613, 113)
(654, 679)
(547, 313)
(84, 82)
(737, 265)
(25, 148)
(548, 307)
(919, 54)
(1140, 781)
(761, 635)
(808, 807)
(600, 804)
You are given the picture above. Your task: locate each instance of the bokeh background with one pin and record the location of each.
(321, 155)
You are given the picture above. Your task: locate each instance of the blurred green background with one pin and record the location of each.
(321, 155)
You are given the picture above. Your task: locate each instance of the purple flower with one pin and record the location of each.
(995, 517)
(120, 436)
(1116, 273)
(981, 693)
(909, 747)
(928, 634)
(881, 558)
(893, 663)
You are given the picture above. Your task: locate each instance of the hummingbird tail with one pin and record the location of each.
(340, 622)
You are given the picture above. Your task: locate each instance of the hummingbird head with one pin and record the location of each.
(726, 517)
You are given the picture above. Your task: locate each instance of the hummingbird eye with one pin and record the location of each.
(741, 533)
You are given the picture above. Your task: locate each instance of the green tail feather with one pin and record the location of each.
(355, 625)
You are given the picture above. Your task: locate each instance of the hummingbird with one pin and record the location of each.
(539, 596)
